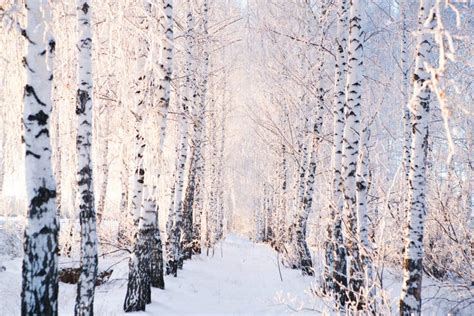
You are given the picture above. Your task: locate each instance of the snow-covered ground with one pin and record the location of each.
(240, 278)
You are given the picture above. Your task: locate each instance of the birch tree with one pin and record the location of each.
(165, 65)
(57, 165)
(220, 176)
(351, 150)
(181, 218)
(336, 278)
(199, 129)
(191, 98)
(171, 263)
(316, 133)
(405, 69)
(406, 115)
(211, 210)
(39, 295)
(104, 168)
(175, 217)
(146, 260)
(362, 185)
(139, 277)
(87, 216)
(410, 301)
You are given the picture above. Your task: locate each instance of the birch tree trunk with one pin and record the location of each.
(146, 260)
(87, 217)
(105, 175)
(351, 151)
(187, 100)
(336, 276)
(198, 202)
(211, 211)
(139, 175)
(406, 115)
(171, 263)
(317, 121)
(139, 278)
(362, 184)
(157, 260)
(39, 295)
(165, 65)
(124, 198)
(220, 175)
(57, 166)
(175, 253)
(164, 92)
(190, 98)
(281, 232)
(410, 301)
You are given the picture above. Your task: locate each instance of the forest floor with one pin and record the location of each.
(240, 278)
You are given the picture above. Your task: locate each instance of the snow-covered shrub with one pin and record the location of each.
(11, 236)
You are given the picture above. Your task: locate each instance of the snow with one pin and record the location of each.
(240, 278)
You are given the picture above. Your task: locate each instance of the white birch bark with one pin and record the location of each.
(139, 278)
(145, 265)
(177, 221)
(182, 151)
(362, 183)
(39, 295)
(191, 99)
(141, 87)
(200, 128)
(410, 301)
(171, 262)
(87, 216)
(220, 175)
(211, 211)
(315, 136)
(57, 163)
(351, 150)
(139, 174)
(336, 252)
(406, 115)
(105, 175)
(165, 65)
(124, 221)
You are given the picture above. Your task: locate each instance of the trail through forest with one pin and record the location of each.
(241, 278)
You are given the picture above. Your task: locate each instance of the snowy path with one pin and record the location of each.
(244, 280)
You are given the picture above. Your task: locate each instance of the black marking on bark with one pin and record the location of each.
(52, 46)
(81, 101)
(40, 117)
(43, 195)
(43, 131)
(28, 152)
(25, 35)
(24, 61)
(30, 91)
(85, 7)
